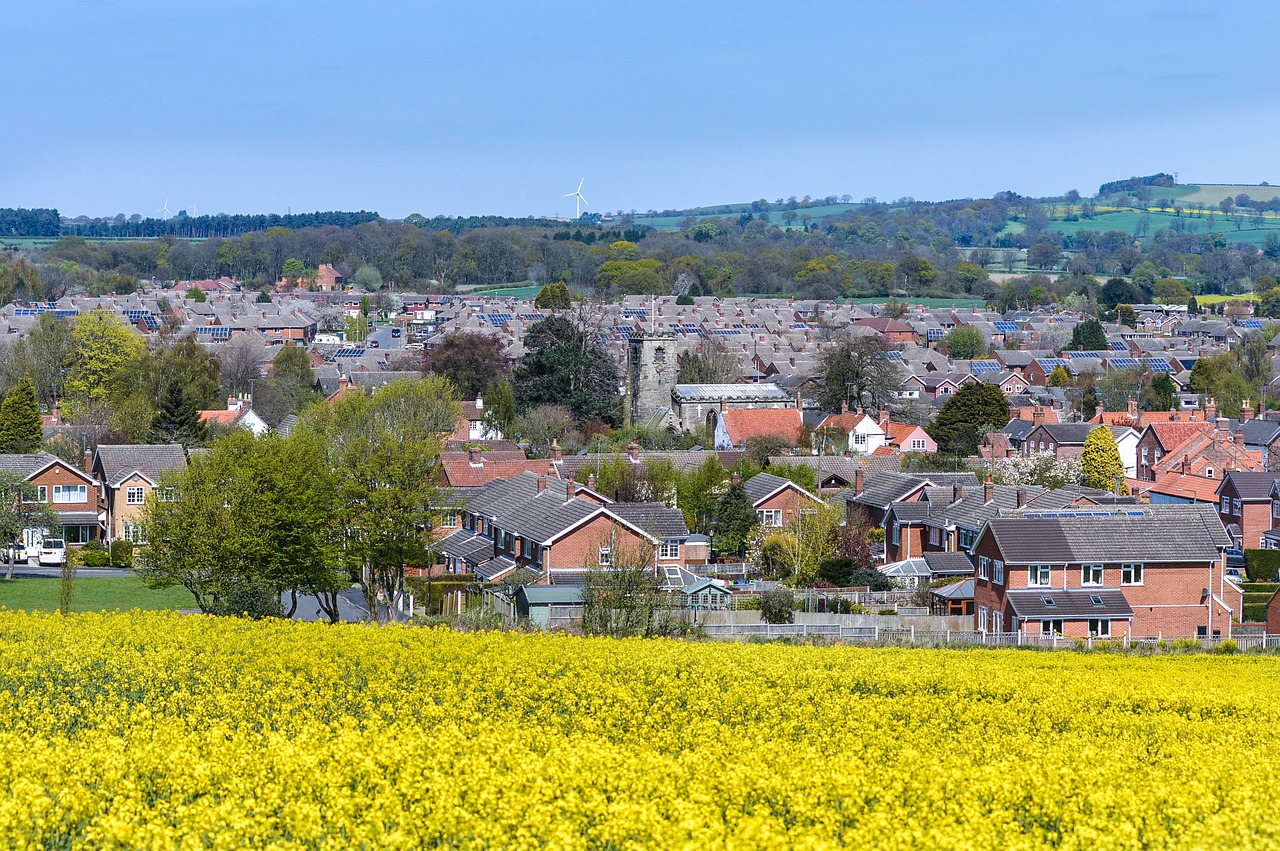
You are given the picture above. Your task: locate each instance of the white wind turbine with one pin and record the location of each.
(164, 211)
(579, 202)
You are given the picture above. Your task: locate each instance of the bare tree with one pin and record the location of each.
(241, 364)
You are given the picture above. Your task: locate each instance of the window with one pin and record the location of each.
(1208, 473)
(917, 444)
(135, 532)
(659, 355)
(1095, 600)
(967, 538)
(935, 536)
(1225, 506)
(670, 549)
(449, 519)
(135, 496)
(1144, 455)
(896, 535)
(1038, 574)
(1239, 511)
(77, 534)
(859, 439)
(1051, 627)
(984, 567)
(1091, 574)
(997, 572)
(1275, 508)
(997, 621)
(1099, 627)
(1051, 446)
(982, 618)
(39, 493)
(606, 556)
(1131, 574)
(70, 493)
(770, 516)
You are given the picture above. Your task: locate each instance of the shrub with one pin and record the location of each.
(1227, 647)
(252, 600)
(886, 611)
(1262, 565)
(94, 546)
(122, 553)
(777, 605)
(95, 558)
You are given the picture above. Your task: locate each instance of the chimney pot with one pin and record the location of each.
(735, 479)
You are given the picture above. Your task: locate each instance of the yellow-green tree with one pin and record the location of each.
(1101, 461)
(101, 345)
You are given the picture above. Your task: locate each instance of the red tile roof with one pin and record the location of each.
(1197, 488)
(1173, 435)
(745, 423)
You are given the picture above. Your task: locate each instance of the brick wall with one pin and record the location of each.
(581, 548)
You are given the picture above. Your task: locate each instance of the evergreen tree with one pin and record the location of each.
(967, 416)
(735, 518)
(1088, 336)
(565, 365)
(20, 425)
(177, 421)
(1101, 461)
(1060, 377)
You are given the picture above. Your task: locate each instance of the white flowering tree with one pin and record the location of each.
(1039, 468)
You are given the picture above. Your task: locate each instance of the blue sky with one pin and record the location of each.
(500, 107)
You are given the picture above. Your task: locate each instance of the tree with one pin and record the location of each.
(500, 407)
(735, 520)
(1126, 315)
(1060, 377)
(1170, 291)
(802, 474)
(698, 494)
(623, 599)
(1119, 291)
(471, 361)
(1041, 469)
(240, 362)
(20, 509)
(177, 420)
(101, 344)
(197, 295)
(565, 365)
(710, 362)
(1100, 462)
(544, 427)
(554, 296)
(778, 605)
(1160, 394)
(967, 416)
(857, 371)
(293, 270)
(1088, 336)
(289, 387)
(44, 355)
(1043, 255)
(367, 278)
(382, 449)
(916, 273)
(20, 425)
(965, 343)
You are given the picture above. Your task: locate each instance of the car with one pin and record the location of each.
(1235, 575)
(396, 332)
(53, 551)
(373, 344)
(1235, 558)
(414, 347)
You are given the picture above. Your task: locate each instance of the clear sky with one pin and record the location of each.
(501, 107)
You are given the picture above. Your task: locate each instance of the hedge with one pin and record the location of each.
(1262, 565)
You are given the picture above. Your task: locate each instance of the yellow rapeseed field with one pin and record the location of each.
(154, 730)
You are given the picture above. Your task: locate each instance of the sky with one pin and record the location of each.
(470, 108)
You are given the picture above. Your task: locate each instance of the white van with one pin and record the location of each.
(53, 551)
(327, 340)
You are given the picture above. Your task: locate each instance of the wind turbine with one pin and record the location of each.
(164, 211)
(579, 202)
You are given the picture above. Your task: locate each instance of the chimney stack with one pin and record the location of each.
(735, 479)
(1186, 464)
(557, 454)
(591, 481)
(473, 457)
(957, 493)
(1021, 497)
(1133, 407)
(859, 479)
(633, 451)
(479, 402)
(1037, 417)
(542, 483)
(844, 406)
(1246, 413)
(988, 489)
(1222, 424)
(1210, 409)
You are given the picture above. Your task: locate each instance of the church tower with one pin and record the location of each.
(651, 373)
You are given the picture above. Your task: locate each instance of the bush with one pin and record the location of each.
(94, 546)
(1262, 565)
(777, 605)
(845, 573)
(886, 611)
(122, 553)
(95, 558)
(252, 600)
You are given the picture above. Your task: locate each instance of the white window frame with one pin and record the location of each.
(669, 549)
(133, 491)
(984, 567)
(1225, 505)
(1238, 506)
(770, 516)
(1038, 572)
(982, 618)
(78, 490)
(917, 444)
(1133, 572)
(42, 494)
(997, 571)
(134, 531)
(605, 556)
(1051, 626)
(997, 621)
(1100, 627)
(1091, 574)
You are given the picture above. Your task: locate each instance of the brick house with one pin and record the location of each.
(777, 501)
(1141, 572)
(72, 493)
(559, 529)
(129, 475)
(1245, 507)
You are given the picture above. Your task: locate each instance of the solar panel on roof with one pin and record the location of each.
(935, 333)
(623, 331)
(984, 366)
(1158, 365)
(1117, 346)
(151, 322)
(66, 313)
(1005, 325)
(531, 317)
(1251, 323)
(348, 352)
(1049, 364)
(1125, 363)
(25, 311)
(893, 355)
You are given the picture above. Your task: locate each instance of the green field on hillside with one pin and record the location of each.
(92, 594)
(775, 215)
(1209, 194)
(1127, 221)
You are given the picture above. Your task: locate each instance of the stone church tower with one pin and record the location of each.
(651, 373)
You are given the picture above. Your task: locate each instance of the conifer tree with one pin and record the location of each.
(177, 421)
(735, 518)
(1101, 462)
(20, 425)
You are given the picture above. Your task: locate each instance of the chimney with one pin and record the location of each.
(957, 493)
(1021, 497)
(844, 406)
(1210, 409)
(1240, 435)
(233, 403)
(735, 479)
(633, 452)
(988, 490)
(1246, 413)
(1037, 417)
(884, 422)
(1186, 464)
(542, 483)
(858, 481)
(1133, 407)
(557, 454)
(1222, 424)
(473, 457)
(570, 489)
(479, 402)
(591, 481)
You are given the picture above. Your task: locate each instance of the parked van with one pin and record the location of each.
(328, 340)
(53, 551)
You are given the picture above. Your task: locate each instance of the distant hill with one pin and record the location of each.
(1209, 194)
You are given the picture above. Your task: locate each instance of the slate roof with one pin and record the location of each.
(652, 517)
(118, 462)
(1167, 533)
(883, 489)
(767, 392)
(546, 516)
(948, 564)
(1252, 487)
(26, 463)
(1069, 604)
